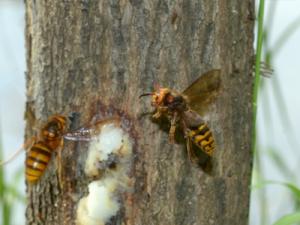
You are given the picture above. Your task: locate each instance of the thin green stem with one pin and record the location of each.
(3, 200)
(257, 67)
(262, 192)
(2, 178)
(269, 22)
(259, 45)
(6, 213)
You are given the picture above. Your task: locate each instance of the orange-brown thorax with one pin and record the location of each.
(173, 101)
(53, 130)
(160, 96)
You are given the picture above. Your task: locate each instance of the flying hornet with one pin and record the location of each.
(185, 109)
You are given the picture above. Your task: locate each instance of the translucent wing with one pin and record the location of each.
(266, 70)
(191, 154)
(89, 132)
(81, 134)
(203, 91)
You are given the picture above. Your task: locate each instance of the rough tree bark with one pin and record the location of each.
(81, 53)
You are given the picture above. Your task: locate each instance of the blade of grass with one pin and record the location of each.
(295, 191)
(6, 208)
(2, 177)
(6, 213)
(293, 188)
(280, 163)
(18, 176)
(15, 194)
(267, 114)
(257, 67)
(258, 57)
(263, 203)
(284, 115)
(269, 22)
(12, 187)
(285, 35)
(288, 219)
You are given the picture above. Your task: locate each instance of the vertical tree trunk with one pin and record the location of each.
(82, 55)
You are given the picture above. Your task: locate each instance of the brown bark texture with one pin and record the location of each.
(87, 56)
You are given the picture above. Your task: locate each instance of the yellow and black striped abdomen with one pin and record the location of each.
(202, 138)
(37, 160)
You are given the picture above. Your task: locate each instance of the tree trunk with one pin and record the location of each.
(99, 56)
